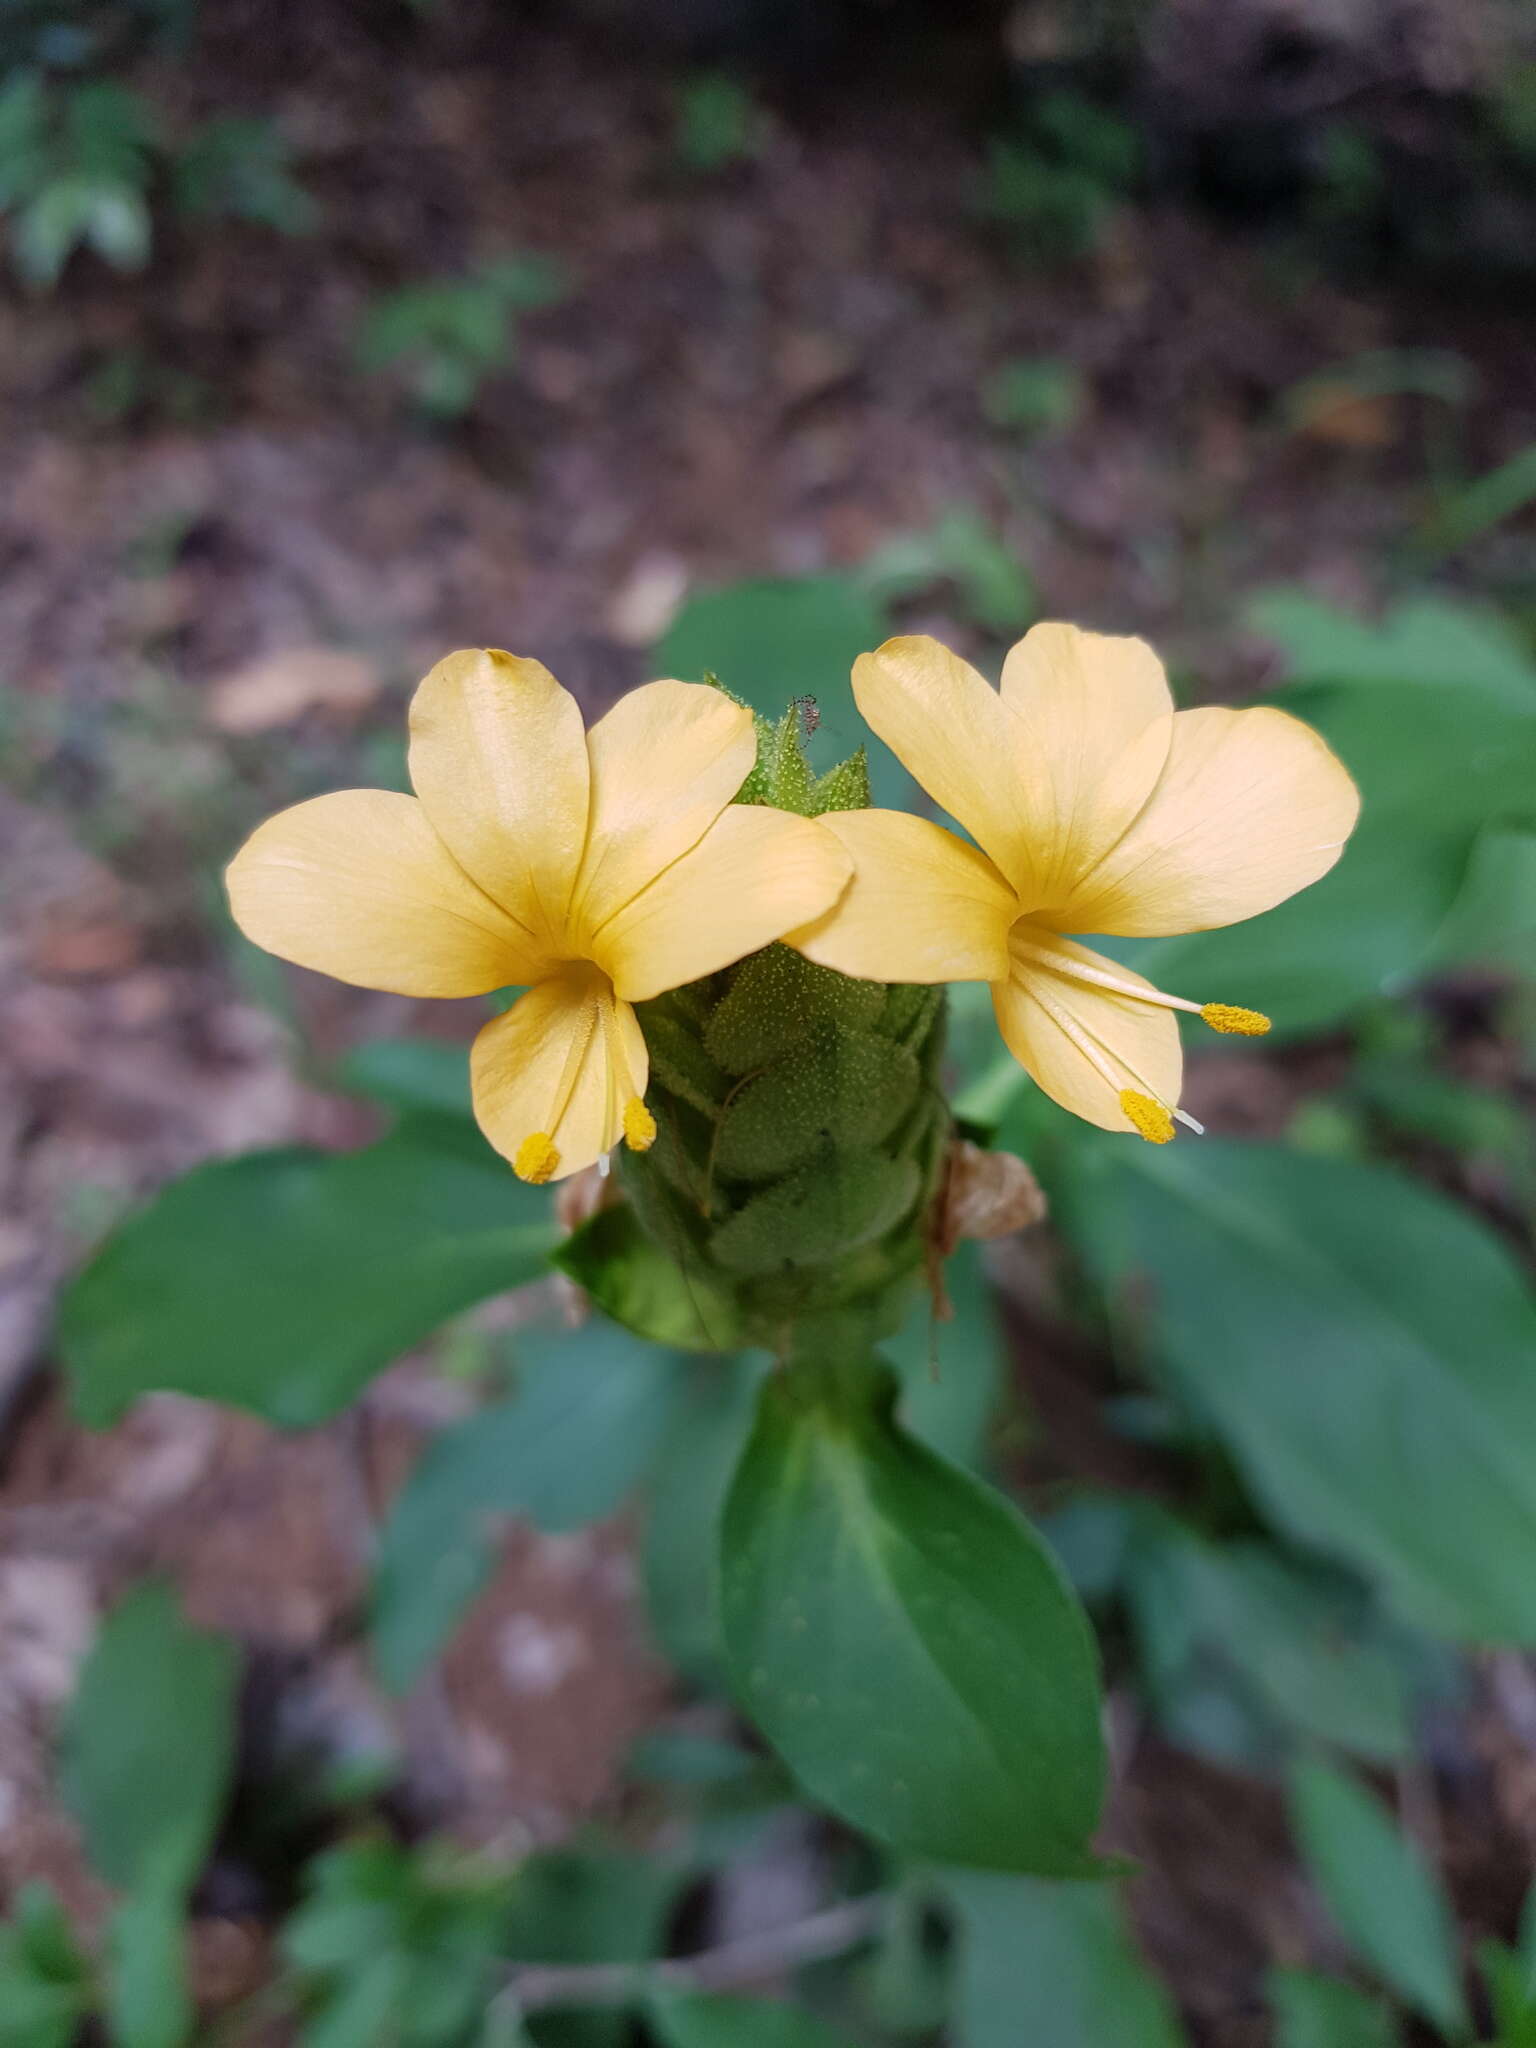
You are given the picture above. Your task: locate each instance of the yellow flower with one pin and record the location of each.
(1095, 807)
(598, 868)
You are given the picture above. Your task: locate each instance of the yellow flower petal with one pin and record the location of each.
(754, 875)
(1084, 1045)
(359, 886)
(1250, 807)
(499, 760)
(552, 1078)
(950, 728)
(922, 905)
(666, 760)
(1096, 715)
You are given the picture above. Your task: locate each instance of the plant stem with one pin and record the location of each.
(535, 1987)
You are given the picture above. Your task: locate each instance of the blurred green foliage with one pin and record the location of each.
(1051, 1962)
(146, 1761)
(1384, 1895)
(75, 168)
(82, 162)
(235, 168)
(393, 1946)
(582, 1432)
(447, 336)
(47, 1985)
(963, 550)
(718, 123)
(1056, 179)
(1034, 395)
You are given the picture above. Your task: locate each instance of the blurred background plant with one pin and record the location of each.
(361, 1677)
(83, 160)
(448, 336)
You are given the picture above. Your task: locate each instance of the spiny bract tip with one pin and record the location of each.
(1228, 1017)
(537, 1158)
(639, 1126)
(1146, 1116)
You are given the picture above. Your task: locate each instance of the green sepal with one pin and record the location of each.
(775, 999)
(843, 788)
(633, 1280)
(845, 1089)
(816, 1216)
(680, 1063)
(782, 775)
(909, 1015)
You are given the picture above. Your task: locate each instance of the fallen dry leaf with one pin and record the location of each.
(278, 688)
(646, 602)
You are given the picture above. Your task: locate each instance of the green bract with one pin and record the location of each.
(800, 1136)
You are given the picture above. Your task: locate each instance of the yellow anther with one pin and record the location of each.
(1227, 1017)
(639, 1126)
(1150, 1118)
(537, 1158)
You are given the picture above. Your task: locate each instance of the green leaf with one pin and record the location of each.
(235, 168)
(590, 1906)
(412, 1074)
(1290, 1647)
(75, 212)
(1383, 1894)
(1053, 1964)
(1485, 503)
(695, 2020)
(282, 1282)
(965, 549)
(1506, 1974)
(1312, 2011)
(680, 1551)
(904, 1984)
(1493, 919)
(149, 1742)
(358, 2015)
(952, 1372)
(633, 1280)
(1428, 1103)
(397, 1948)
(149, 2002)
(773, 639)
(46, 1986)
(1425, 643)
(1366, 1350)
(580, 1433)
(903, 1637)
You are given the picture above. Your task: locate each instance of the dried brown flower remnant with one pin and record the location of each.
(986, 1194)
